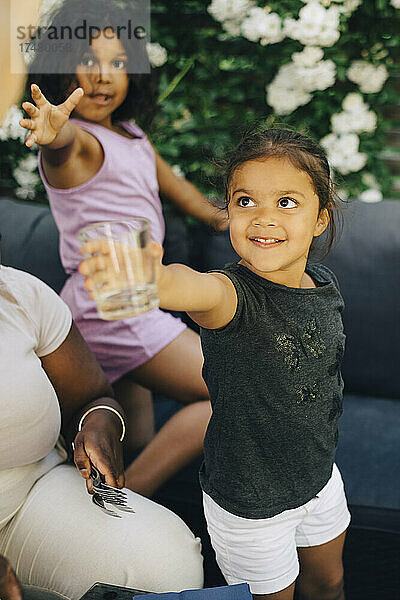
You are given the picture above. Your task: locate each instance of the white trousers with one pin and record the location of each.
(60, 541)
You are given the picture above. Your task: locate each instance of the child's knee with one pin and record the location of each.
(332, 589)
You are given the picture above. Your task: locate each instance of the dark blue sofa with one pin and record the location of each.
(367, 263)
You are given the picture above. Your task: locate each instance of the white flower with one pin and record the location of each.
(232, 27)
(371, 195)
(284, 102)
(285, 93)
(316, 25)
(308, 57)
(157, 54)
(262, 26)
(319, 77)
(229, 10)
(342, 152)
(367, 76)
(27, 177)
(178, 171)
(342, 122)
(353, 103)
(355, 118)
(395, 3)
(369, 180)
(294, 82)
(355, 162)
(10, 128)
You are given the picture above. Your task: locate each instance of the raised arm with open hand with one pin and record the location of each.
(46, 120)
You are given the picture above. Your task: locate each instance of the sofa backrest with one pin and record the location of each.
(367, 263)
(30, 241)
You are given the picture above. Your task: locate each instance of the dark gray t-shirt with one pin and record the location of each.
(274, 379)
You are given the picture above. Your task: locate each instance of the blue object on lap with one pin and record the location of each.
(226, 592)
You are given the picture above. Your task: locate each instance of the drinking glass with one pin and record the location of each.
(127, 285)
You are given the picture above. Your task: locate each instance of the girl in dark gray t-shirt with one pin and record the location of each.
(273, 341)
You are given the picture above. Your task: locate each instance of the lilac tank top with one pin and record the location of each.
(125, 186)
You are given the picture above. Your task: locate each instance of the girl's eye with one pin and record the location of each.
(119, 64)
(287, 202)
(245, 201)
(87, 61)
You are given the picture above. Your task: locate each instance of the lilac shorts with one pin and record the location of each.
(119, 346)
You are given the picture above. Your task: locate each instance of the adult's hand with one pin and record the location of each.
(98, 442)
(10, 588)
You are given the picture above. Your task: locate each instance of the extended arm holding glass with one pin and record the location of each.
(209, 298)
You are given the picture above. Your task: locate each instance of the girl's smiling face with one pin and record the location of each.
(103, 77)
(274, 214)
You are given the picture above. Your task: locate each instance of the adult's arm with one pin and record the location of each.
(81, 384)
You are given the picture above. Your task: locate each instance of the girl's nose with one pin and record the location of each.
(265, 218)
(103, 75)
(100, 73)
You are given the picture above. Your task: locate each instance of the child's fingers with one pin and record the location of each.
(30, 140)
(157, 251)
(31, 109)
(39, 98)
(72, 101)
(93, 264)
(96, 247)
(28, 124)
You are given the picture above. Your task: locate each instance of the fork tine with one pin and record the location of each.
(98, 501)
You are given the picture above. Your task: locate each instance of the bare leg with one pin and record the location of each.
(321, 571)
(286, 594)
(175, 445)
(175, 372)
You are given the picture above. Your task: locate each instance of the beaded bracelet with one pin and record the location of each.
(107, 408)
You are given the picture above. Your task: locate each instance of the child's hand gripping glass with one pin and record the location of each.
(121, 267)
(47, 120)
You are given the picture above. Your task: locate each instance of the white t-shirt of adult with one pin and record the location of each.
(34, 322)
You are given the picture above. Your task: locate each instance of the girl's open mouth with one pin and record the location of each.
(262, 242)
(101, 99)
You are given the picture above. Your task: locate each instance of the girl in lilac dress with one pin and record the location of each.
(99, 166)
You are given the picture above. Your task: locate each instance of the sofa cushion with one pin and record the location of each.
(367, 263)
(368, 453)
(30, 241)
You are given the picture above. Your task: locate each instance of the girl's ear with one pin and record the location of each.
(322, 222)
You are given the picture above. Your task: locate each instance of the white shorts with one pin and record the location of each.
(262, 552)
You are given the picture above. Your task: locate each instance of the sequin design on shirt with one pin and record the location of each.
(309, 342)
(307, 394)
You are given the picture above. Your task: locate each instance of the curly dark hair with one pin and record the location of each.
(305, 154)
(57, 80)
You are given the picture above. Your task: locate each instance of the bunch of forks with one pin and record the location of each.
(104, 493)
